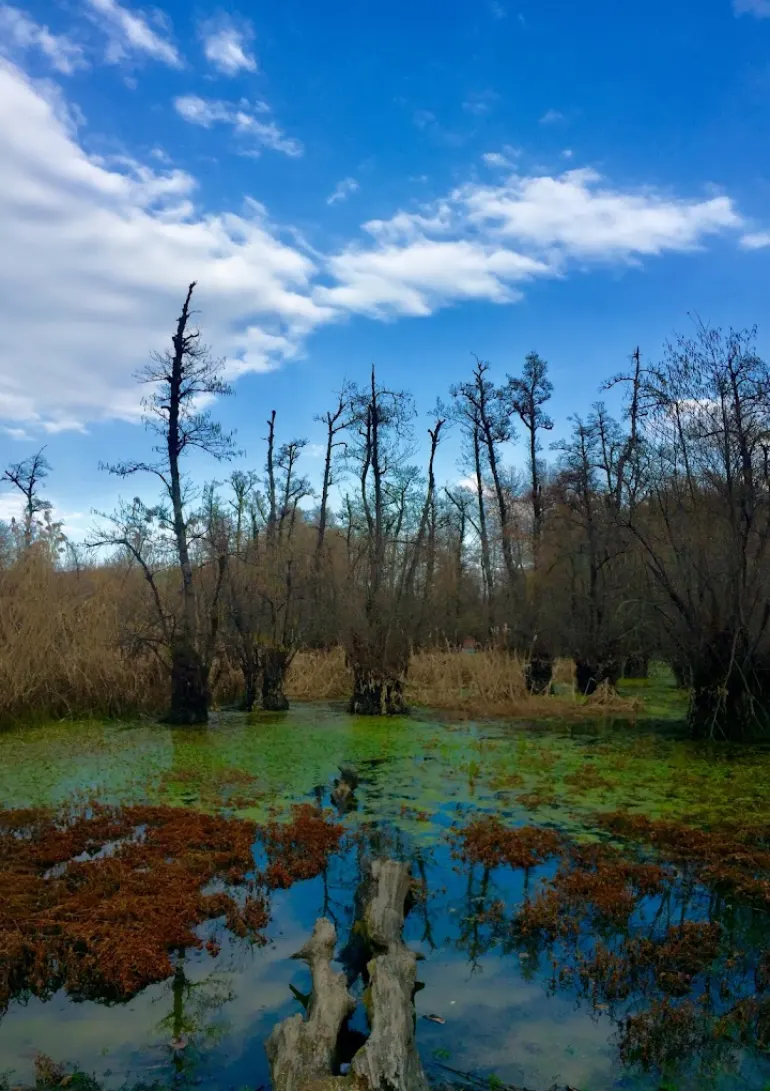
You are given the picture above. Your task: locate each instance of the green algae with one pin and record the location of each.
(412, 769)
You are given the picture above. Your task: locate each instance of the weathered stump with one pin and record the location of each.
(591, 673)
(637, 665)
(377, 694)
(303, 1053)
(389, 1061)
(303, 1050)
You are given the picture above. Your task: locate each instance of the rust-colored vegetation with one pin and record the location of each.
(731, 858)
(487, 841)
(593, 883)
(300, 848)
(95, 901)
(642, 940)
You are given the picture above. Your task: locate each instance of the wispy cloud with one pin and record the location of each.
(19, 33)
(485, 241)
(756, 240)
(343, 190)
(496, 9)
(551, 117)
(567, 153)
(129, 33)
(760, 9)
(480, 102)
(243, 118)
(502, 160)
(226, 45)
(423, 119)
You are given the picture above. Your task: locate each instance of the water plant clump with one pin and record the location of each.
(298, 849)
(487, 841)
(96, 899)
(649, 942)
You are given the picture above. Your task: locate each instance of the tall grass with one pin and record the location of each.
(62, 654)
(60, 648)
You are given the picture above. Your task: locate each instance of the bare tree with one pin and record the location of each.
(376, 641)
(179, 378)
(526, 396)
(27, 476)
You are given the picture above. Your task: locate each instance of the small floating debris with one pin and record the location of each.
(435, 1019)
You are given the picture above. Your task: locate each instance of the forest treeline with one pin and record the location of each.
(639, 538)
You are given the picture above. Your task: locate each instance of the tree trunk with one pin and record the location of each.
(376, 693)
(274, 661)
(538, 672)
(251, 681)
(637, 666)
(590, 673)
(189, 686)
(730, 692)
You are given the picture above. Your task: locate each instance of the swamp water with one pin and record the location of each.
(517, 1008)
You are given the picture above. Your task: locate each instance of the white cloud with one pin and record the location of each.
(482, 242)
(95, 258)
(130, 33)
(567, 153)
(551, 117)
(97, 252)
(343, 190)
(759, 8)
(242, 118)
(504, 160)
(19, 33)
(418, 277)
(576, 215)
(756, 240)
(496, 9)
(226, 45)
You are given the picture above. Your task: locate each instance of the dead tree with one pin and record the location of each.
(179, 378)
(376, 639)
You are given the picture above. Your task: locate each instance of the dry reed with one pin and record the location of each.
(62, 654)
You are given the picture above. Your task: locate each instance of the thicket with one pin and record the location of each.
(634, 538)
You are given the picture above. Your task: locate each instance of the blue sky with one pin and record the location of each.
(357, 182)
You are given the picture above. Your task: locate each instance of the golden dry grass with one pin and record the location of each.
(60, 652)
(61, 656)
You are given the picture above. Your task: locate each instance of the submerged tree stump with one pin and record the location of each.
(302, 1053)
(389, 1060)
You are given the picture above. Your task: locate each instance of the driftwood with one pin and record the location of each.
(302, 1052)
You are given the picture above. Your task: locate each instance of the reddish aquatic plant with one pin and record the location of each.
(300, 848)
(730, 858)
(94, 901)
(487, 841)
(595, 883)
